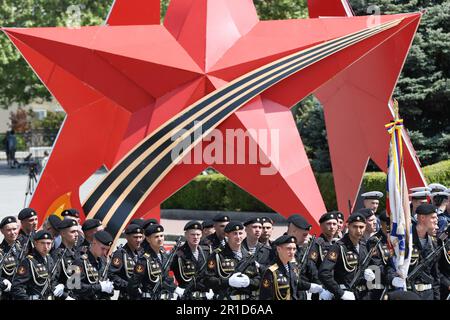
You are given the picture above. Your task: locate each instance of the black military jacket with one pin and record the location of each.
(212, 241)
(221, 265)
(262, 252)
(122, 267)
(148, 272)
(431, 274)
(31, 277)
(189, 271)
(90, 270)
(65, 268)
(279, 284)
(382, 256)
(11, 261)
(340, 266)
(319, 250)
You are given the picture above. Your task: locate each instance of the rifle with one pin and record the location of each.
(363, 265)
(52, 274)
(425, 262)
(304, 258)
(22, 254)
(165, 267)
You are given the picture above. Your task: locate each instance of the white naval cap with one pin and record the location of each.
(436, 187)
(420, 194)
(420, 189)
(372, 195)
(441, 193)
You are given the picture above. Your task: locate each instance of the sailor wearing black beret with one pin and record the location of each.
(338, 268)
(208, 228)
(149, 269)
(29, 222)
(372, 200)
(329, 227)
(34, 270)
(125, 257)
(253, 230)
(424, 243)
(223, 275)
(299, 227)
(90, 228)
(266, 232)
(93, 267)
(217, 239)
(66, 253)
(281, 281)
(9, 252)
(189, 264)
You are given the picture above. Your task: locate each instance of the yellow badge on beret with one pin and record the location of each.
(266, 283)
(211, 264)
(21, 271)
(332, 256)
(116, 261)
(139, 268)
(313, 256)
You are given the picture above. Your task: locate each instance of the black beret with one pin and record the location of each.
(285, 239)
(426, 209)
(153, 228)
(42, 235)
(139, 222)
(356, 217)
(300, 222)
(328, 216)
(207, 224)
(104, 237)
(90, 224)
(366, 212)
(384, 217)
(133, 229)
(7, 220)
(340, 215)
(70, 212)
(149, 222)
(54, 221)
(193, 225)
(221, 217)
(252, 220)
(26, 213)
(67, 223)
(233, 226)
(266, 219)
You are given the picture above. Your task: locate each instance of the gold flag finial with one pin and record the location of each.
(395, 107)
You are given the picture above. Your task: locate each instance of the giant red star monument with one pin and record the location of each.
(131, 85)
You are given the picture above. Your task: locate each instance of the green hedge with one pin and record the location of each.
(215, 192)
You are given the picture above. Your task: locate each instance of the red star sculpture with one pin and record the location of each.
(119, 83)
(352, 146)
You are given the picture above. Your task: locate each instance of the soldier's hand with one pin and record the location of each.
(107, 286)
(315, 288)
(348, 295)
(210, 294)
(179, 291)
(7, 284)
(398, 282)
(369, 275)
(59, 290)
(238, 280)
(326, 295)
